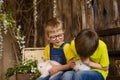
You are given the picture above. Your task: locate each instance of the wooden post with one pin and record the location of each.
(83, 14)
(35, 22)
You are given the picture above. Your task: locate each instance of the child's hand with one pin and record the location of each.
(54, 69)
(71, 63)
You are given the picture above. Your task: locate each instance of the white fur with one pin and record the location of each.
(44, 67)
(79, 66)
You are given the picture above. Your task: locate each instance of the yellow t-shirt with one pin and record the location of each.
(67, 51)
(99, 56)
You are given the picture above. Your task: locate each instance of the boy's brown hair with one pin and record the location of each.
(52, 23)
(86, 42)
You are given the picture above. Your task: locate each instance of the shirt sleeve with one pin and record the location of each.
(47, 53)
(104, 58)
(67, 51)
(73, 49)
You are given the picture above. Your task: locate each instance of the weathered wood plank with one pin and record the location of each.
(108, 32)
(114, 53)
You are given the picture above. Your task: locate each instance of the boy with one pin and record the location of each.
(58, 50)
(93, 52)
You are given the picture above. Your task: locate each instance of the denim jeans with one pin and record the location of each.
(67, 75)
(46, 78)
(88, 75)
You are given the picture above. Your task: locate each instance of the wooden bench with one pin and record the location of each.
(113, 53)
(33, 53)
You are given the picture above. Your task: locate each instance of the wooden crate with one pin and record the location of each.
(33, 53)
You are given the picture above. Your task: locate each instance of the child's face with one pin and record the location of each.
(56, 36)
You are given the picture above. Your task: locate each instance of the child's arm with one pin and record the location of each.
(98, 66)
(93, 64)
(57, 68)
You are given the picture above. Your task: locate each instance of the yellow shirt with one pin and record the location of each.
(67, 51)
(99, 56)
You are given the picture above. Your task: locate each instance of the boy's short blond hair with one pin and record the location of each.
(51, 24)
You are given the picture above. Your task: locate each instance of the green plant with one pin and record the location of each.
(29, 66)
(6, 19)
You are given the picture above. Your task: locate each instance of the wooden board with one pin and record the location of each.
(33, 53)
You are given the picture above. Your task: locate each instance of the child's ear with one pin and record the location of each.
(63, 31)
(47, 37)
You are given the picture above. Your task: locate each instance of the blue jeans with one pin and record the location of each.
(88, 75)
(46, 78)
(67, 75)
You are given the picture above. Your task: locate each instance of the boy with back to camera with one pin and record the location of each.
(58, 50)
(93, 52)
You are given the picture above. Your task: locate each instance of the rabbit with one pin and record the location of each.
(79, 66)
(44, 67)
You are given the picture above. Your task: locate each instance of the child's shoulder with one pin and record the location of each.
(47, 46)
(72, 42)
(66, 44)
(102, 43)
